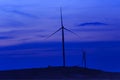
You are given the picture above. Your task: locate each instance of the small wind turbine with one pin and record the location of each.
(84, 58)
(62, 28)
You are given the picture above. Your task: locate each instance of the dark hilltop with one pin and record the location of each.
(58, 73)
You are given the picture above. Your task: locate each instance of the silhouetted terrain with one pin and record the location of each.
(58, 73)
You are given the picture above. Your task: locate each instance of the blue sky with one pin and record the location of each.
(19, 18)
(26, 22)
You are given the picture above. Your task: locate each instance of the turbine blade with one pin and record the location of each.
(53, 33)
(61, 16)
(72, 32)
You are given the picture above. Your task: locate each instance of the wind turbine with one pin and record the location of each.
(84, 58)
(62, 28)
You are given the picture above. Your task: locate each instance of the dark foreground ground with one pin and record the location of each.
(58, 73)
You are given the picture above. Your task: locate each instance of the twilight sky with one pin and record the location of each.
(28, 22)
(32, 20)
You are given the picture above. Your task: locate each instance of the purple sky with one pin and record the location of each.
(33, 20)
(24, 25)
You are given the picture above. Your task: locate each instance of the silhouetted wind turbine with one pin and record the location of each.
(63, 41)
(84, 58)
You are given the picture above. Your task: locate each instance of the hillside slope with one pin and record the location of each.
(58, 73)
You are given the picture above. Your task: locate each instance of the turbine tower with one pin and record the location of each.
(62, 28)
(84, 58)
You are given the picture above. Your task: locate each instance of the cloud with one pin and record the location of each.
(27, 31)
(15, 11)
(42, 36)
(24, 14)
(95, 30)
(12, 23)
(5, 37)
(93, 24)
(22, 32)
